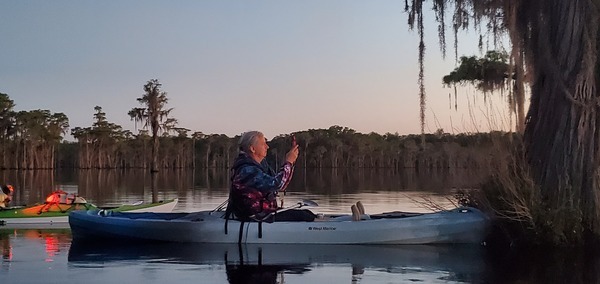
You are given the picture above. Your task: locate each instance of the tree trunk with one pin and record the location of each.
(562, 135)
(52, 157)
(87, 155)
(207, 155)
(305, 151)
(193, 155)
(145, 155)
(4, 142)
(228, 158)
(154, 166)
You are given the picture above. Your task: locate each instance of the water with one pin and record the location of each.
(44, 256)
(50, 256)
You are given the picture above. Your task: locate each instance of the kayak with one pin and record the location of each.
(57, 214)
(460, 225)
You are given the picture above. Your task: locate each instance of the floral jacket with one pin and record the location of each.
(254, 186)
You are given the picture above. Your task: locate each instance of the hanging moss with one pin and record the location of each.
(555, 47)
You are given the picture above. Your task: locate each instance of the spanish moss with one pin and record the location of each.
(554, 50)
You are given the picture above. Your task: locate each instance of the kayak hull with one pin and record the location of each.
(461, 225)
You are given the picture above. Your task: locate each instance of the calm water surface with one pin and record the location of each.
(50, 256)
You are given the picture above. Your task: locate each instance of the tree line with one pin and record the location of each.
(335, 147)
(35, 140)
(29, 139)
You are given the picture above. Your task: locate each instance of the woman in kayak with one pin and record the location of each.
(254, 185)
(5, 195)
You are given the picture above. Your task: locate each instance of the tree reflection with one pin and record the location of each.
(271, 263)
(119, 185)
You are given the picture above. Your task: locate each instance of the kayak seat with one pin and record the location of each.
(194, 217)
(341, 218)
(395, 215)
(294, 215)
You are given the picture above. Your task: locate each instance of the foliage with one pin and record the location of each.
(154, 115)
(29, 138)
(488, 73)
(99, 143)
(519, 210)
(338, 146)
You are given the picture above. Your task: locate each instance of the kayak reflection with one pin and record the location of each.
(268, 262)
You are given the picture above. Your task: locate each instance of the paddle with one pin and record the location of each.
(299, 204)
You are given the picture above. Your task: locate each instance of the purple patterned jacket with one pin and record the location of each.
(254, 186)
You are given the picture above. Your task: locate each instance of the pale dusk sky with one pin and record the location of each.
(233, 66)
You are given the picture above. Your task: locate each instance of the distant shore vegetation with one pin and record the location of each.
(35, 140)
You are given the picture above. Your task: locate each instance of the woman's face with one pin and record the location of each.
(260, 148)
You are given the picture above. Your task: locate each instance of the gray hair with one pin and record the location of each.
(248, 139)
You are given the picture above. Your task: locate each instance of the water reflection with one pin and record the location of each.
(114, 187)
(274, 263)
(32, 247)
(6, 249)
(28, 256)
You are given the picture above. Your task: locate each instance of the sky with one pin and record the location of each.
(231, 66)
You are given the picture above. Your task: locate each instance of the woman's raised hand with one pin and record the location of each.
(292, 155)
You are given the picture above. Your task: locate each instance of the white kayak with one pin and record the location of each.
(460, 225)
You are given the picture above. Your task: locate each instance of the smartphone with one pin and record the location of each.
(294, 141)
